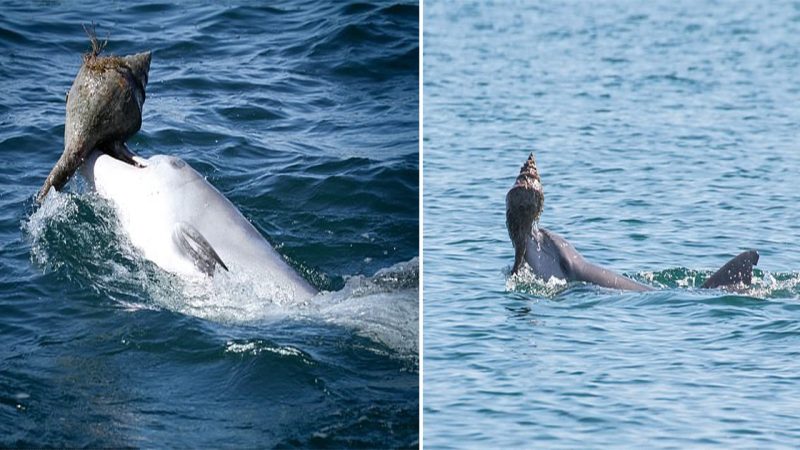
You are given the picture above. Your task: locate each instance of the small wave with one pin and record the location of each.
(69, 235)
(383, 308)
(258, 346)
(775, 285)
(362, 42)
(765, 285)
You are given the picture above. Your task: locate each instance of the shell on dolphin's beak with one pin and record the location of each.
(524, 204)
(104, 109)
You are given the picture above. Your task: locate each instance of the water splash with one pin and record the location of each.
(383, 308)
(526, 281)
(535, 232)
(78, 236)
(765, 285)
(258, 346)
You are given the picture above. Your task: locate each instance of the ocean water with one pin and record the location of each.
(304, 115)
(666, 135)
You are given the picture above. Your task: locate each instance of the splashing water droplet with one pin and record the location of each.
(536, 234)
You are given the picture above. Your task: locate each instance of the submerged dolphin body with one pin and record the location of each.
(550, 255)
(186, 226)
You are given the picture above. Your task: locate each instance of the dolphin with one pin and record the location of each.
(104, 109)
(178, 220)
(169, 211)
(550, 255)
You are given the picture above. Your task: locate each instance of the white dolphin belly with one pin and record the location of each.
(166, 197)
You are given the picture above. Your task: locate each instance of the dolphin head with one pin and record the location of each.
(104, 109)
(524, 203)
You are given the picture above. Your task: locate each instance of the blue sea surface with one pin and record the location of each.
(666, 136)
(305, 115)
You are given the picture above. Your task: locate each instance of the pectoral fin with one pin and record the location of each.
(195, 247)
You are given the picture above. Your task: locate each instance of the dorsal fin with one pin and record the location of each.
(195, 247)
(738, 270)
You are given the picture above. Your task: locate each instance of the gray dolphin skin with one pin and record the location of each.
(550, 255)
(104, 109)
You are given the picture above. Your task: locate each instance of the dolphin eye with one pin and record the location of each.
(177, 163)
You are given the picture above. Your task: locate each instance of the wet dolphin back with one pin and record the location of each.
(550, 255)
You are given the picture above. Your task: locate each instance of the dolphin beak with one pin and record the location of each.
(121, 152)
